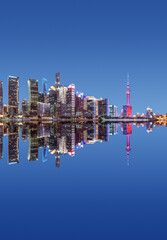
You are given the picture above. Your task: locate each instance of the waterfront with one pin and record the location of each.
(91, 195)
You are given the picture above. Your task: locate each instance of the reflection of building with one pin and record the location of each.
(1, 98)
(13, 144)
(103, 132)
(33, 143)
(1, 141)
(113, 128)
(13, 95)
(25, 133)
(33, 97)
(60, 138)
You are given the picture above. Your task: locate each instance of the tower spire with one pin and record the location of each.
(128, 80)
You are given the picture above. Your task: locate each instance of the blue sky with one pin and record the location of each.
(92, 43)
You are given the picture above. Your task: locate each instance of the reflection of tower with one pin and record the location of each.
(57, 83)
(127, 130)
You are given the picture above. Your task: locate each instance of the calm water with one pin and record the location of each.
(83, 182)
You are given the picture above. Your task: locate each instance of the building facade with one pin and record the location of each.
(33, 97)
(13, 96)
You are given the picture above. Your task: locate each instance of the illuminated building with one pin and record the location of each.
(13, 95)
(113, 111)
(80, 104)
(25, 132)
(44, 88)
(91, 106)
(127, 109)
(1, 98)
(1, 141)
(13, 144)
(41, 97)
(33, 97)
(149, 113)
(53, 99)
(57, 82)
(25, 107)
(103, 107)
(43, 109)
(5, 109)
(70, 101)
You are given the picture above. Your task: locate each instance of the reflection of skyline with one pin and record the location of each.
(60, 139)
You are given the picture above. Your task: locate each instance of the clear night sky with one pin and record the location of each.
(92, 43)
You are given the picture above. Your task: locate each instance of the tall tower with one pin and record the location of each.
(128, 91)
(57, 83)
(127, 109)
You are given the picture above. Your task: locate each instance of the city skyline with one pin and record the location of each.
(43, 102)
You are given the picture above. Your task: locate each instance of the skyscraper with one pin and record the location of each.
(44, 86)
(33, 97)
(57, 82)
(13, 95)
(53, 99)
(70, 101)
(1, 98)
(91, 106)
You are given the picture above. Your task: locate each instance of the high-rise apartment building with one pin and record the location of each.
(13, 95)
(103, 107)
(33, 97)
(70, 101)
